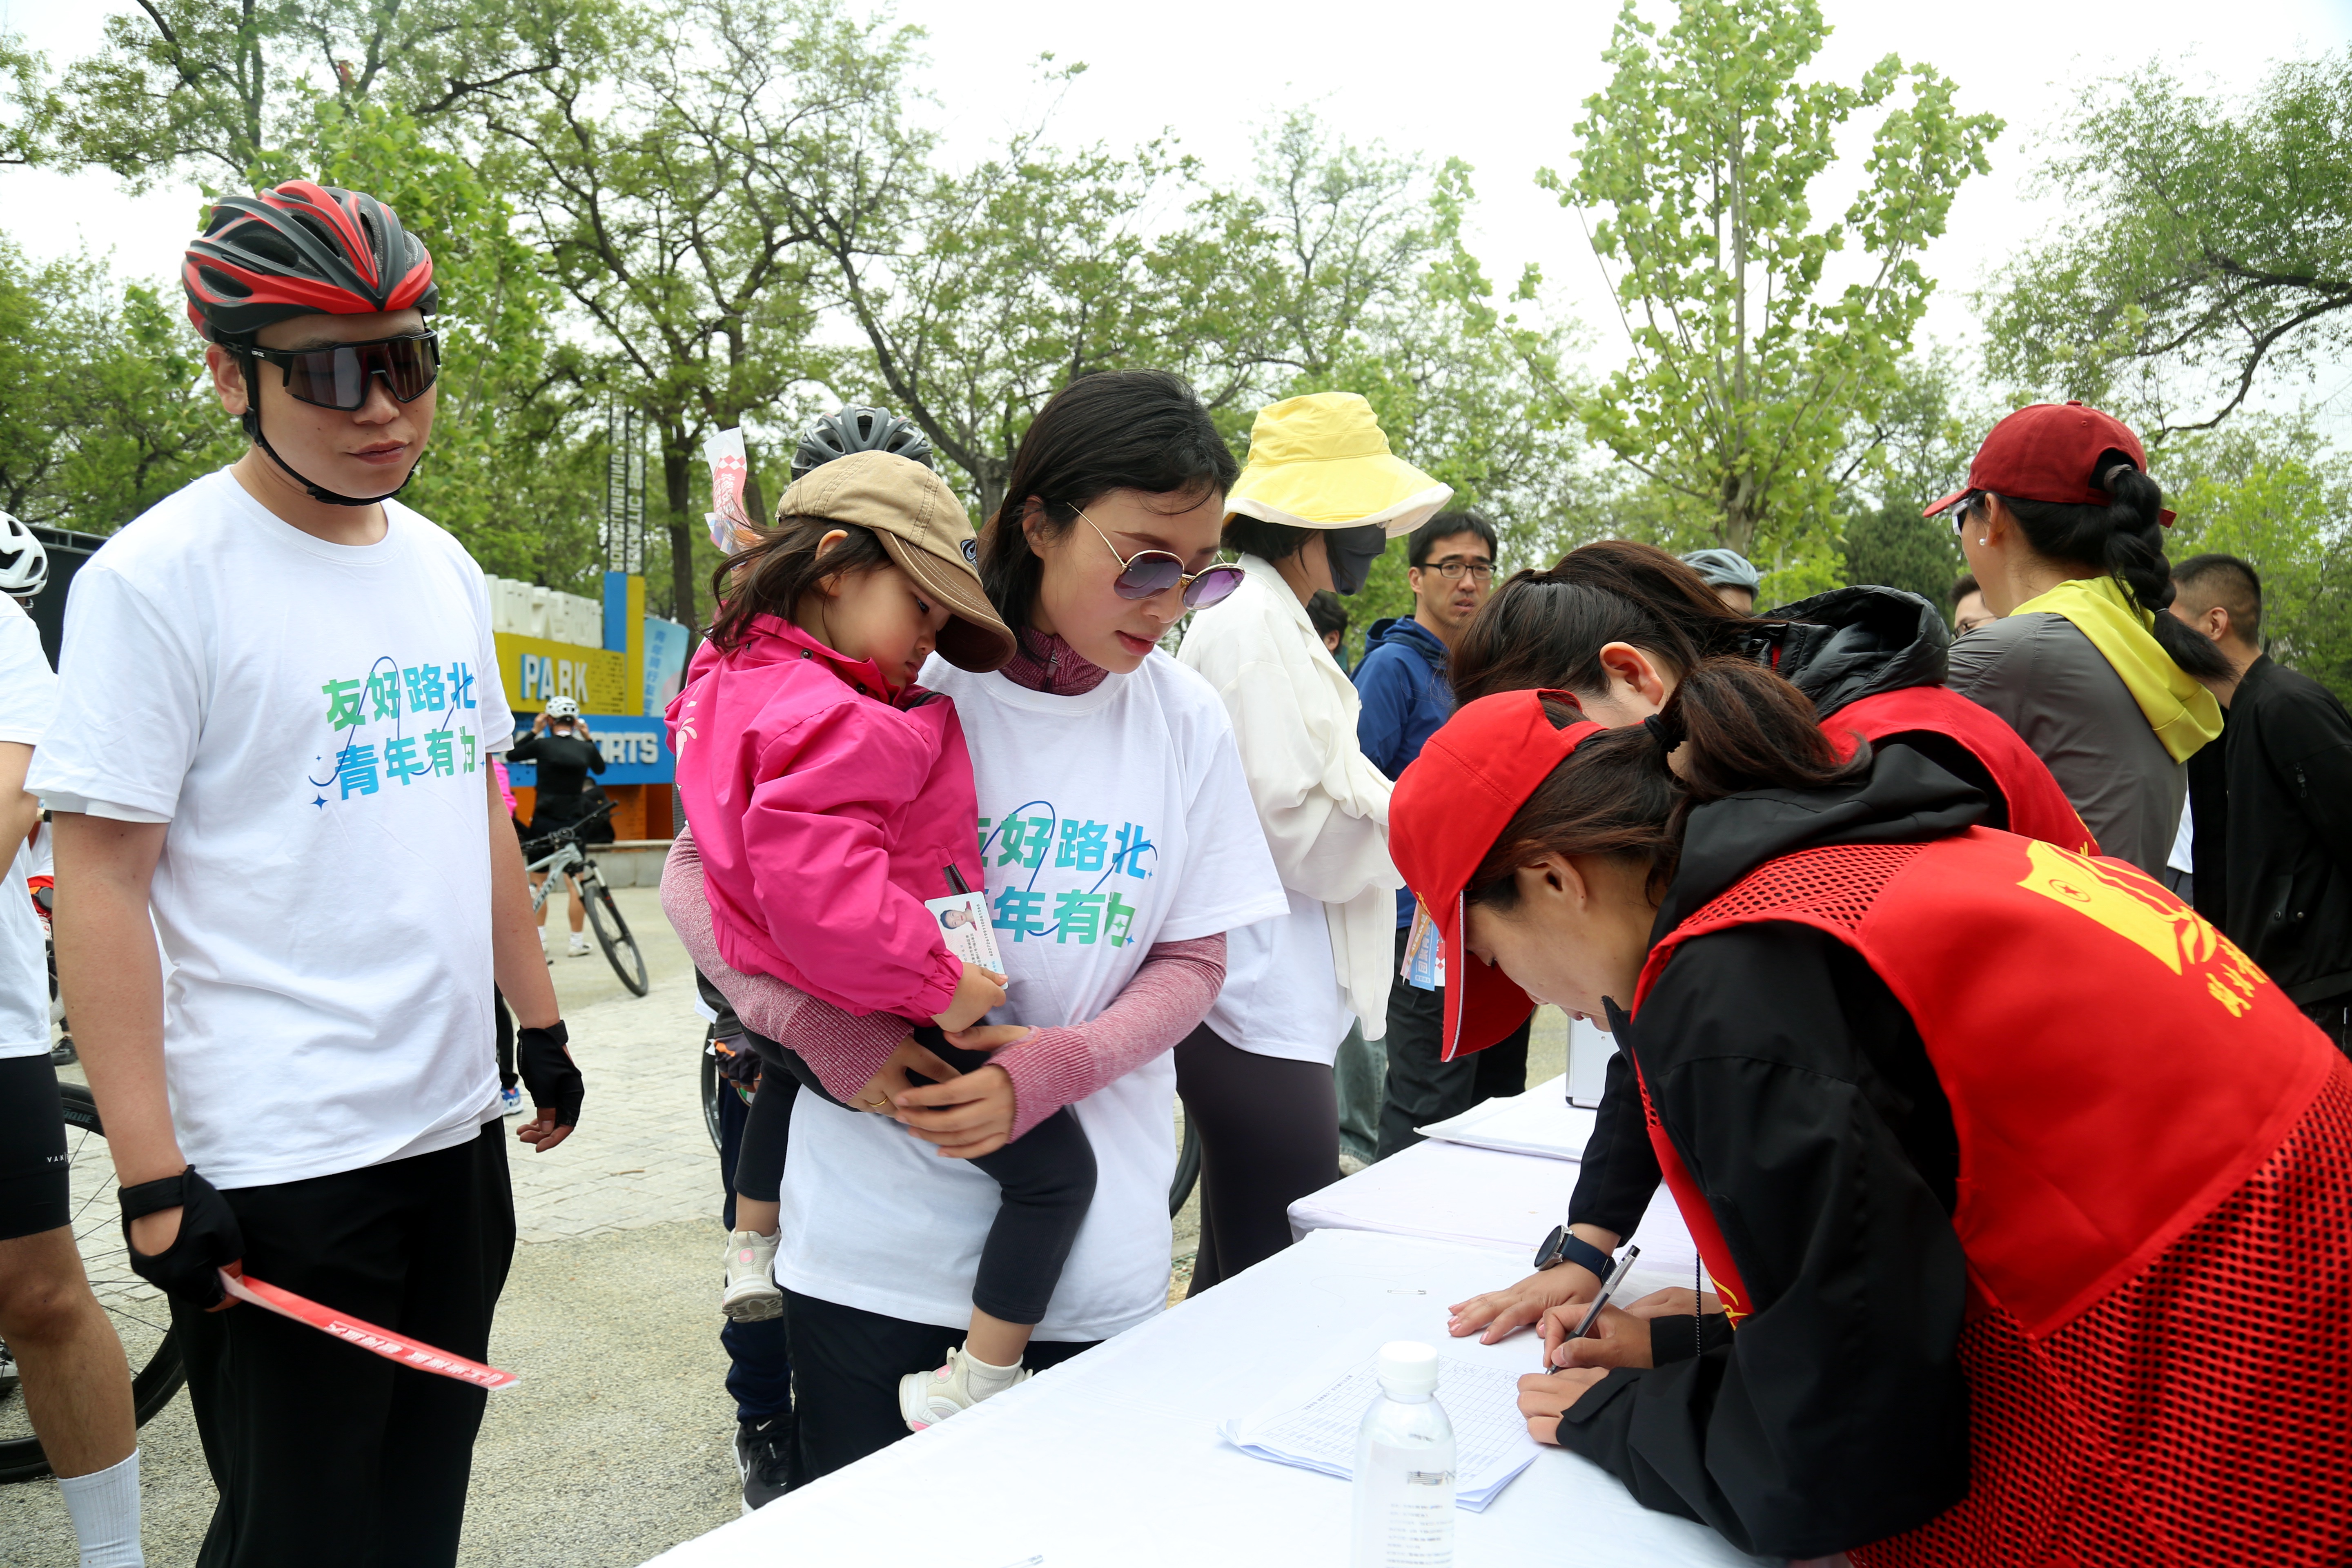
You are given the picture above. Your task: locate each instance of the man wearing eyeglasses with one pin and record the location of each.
(277, 707)
(1451, 569)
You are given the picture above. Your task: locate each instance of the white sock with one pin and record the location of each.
(105, 1509)
(985, 1378)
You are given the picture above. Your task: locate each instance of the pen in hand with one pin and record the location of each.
(1608, 1288)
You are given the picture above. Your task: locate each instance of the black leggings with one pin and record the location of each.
(34, 1177)
(1269, 1135)
(1044, 1181)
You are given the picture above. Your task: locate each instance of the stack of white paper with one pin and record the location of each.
(1316, 1429)
(1540, 1121)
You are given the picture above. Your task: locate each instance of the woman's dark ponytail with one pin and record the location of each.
(1729, 725)
(2126, 540)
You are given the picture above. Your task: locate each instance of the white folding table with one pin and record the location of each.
(1114, 1459)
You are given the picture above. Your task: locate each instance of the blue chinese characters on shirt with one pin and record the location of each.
(393, 724)
(1063, 879)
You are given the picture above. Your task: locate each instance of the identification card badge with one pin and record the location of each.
(1424, 952)
(965, 925)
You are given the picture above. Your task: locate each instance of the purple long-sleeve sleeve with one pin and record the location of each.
(1050, 1067)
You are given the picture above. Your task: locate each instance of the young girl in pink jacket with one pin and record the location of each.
(832, 798)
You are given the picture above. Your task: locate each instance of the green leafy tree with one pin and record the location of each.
(674, 185)
(1695, 168)
(2275, 494)
(2206, 248)
(102, 417)
(26, 106)
(218, 86)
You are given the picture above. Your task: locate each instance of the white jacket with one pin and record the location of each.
(1324, 807)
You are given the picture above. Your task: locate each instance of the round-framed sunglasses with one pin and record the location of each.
(1149, 571)
(337, 377)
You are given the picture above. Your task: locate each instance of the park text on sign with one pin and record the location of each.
(534, 669)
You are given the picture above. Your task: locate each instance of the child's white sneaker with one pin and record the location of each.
(751, 1294)
(927, 1398)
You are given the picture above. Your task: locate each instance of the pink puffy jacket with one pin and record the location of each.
(826, 812)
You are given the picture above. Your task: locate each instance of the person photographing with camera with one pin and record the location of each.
(276, 678)
(565, 753)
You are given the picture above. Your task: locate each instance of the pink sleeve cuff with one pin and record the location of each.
(1170, 993)
(844, 1049)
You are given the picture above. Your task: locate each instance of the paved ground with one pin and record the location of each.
(615, 1445)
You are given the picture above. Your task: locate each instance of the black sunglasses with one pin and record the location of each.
(337, 377)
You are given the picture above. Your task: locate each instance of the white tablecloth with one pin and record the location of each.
(1484, 1197)
(1114, 1459)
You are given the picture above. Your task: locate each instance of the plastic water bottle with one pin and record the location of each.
(1404, 1468)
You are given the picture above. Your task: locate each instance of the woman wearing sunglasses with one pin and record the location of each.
(1120, 845)
(1320, 499)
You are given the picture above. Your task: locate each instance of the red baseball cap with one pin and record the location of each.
(1449, 807)
(2051, 452)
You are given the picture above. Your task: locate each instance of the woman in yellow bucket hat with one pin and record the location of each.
(1319, 501)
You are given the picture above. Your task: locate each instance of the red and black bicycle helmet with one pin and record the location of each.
(298, 250)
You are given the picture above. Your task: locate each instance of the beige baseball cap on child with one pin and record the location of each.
(922, 526)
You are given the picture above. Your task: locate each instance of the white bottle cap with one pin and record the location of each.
(1408, 1367)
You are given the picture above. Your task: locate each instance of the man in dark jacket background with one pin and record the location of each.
(1450, 564)
(2274, 856)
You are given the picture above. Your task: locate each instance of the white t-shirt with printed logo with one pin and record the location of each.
(27, 694)
(1111, 821)
(315, 722)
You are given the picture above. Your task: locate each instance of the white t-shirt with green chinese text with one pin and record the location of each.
(314, 722)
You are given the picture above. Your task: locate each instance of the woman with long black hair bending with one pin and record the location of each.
(1999, 1276)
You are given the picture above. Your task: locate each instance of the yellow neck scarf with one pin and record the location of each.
(2182, 713)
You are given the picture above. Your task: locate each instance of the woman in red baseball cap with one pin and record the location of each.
(2065, 530)
(2022, 1193)
(1616, 623)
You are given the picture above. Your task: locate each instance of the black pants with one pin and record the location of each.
(1269, 1136)
(846, 1365)
(324, 1453)
(1044, 1182)
(1421, 1088)
(758, 1357)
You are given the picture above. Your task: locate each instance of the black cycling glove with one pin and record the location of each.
(543, 1060)
(209, 1239)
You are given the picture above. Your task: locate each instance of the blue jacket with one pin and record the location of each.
(1402, 679)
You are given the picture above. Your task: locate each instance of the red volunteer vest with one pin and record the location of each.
(2155, 1201)
(2037, 807)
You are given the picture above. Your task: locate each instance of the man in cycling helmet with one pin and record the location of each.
(1728, 573)
(23, 560)
(278, 701)
(565, 753)
(858, 428)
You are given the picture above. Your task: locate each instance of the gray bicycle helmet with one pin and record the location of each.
(1723, 568)
(562, 708)
(858, 428)
(24, 562)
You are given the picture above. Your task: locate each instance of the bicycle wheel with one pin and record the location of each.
(1188, 1168)
(613, 935)
(137, 1310)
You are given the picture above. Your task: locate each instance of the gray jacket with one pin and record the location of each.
(2058, 691)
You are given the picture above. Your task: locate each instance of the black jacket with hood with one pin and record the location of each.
(1837, 649)
(1798, 1092)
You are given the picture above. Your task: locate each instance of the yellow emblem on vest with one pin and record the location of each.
(2142, 912)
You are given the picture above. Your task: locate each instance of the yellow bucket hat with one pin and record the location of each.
(1322, 461)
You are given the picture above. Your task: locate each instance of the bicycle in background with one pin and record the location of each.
(562, 857)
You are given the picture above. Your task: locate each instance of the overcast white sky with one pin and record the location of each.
(1496, 83)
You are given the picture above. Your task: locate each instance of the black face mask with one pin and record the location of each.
(1351, 551)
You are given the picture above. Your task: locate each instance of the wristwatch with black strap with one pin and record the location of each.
(1562, 1245)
